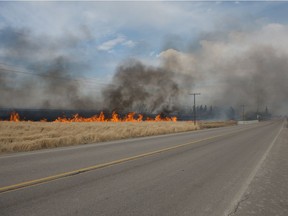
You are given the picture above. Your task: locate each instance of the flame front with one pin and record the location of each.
(15, 117)
(115, 117)
(130, 117)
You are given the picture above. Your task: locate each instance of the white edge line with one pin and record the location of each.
(243, 189)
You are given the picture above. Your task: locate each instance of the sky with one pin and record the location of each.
(110, 32)
(98, 36)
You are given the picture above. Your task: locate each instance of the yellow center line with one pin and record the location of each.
(99, 166)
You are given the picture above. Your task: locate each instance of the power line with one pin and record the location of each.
(5, 69)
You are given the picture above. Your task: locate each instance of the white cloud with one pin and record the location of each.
(142, 26)
(111, 44)
(101, 17)
(129, 43)
(108, 45)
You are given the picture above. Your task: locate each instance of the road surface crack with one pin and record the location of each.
(233, 212)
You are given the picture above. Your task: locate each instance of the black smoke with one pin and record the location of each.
(141, 88)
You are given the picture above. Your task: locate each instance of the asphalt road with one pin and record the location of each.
(205, 172)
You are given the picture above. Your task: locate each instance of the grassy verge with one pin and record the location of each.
(29, 136)
(203, 125)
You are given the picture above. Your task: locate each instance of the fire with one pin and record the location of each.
(130, 117)
(158, 118)
(78, 118)
(174, 119)
(140, 118)
(14, 117)
(115, 117)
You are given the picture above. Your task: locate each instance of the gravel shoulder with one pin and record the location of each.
(268, 192)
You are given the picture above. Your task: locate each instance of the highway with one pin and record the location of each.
(205, 172)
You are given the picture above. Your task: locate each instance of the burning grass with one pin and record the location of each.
(115, 117)
(29, 136)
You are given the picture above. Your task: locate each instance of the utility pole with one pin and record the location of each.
(194, 107)
(258, 103)
(243, 112)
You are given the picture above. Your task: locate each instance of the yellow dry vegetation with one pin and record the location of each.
(29, 136)
(216, 124)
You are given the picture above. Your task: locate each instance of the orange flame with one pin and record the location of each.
(140, 118)
(115, 117)
(130, 117)
(14, 117)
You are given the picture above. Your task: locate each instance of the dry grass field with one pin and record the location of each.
(29, 136)
(207, 124)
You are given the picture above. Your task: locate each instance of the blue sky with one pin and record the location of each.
(110, 32)
(210, 43)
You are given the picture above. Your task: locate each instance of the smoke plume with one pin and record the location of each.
(244, 67)
(141, 88)
(54, 85)
(247, 68)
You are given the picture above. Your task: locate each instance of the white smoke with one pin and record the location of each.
(243, 68)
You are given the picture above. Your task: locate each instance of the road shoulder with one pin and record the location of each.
(268, 192)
